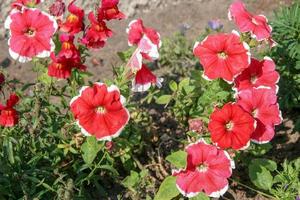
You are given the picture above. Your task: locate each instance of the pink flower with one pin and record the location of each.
(207, 171)
(75, 20)
(58, 8)
(97, 33)
(8, 115)
(259, 73)
(247, 22)
(99, 111)
(231, 127)
(109, 10)
(262, 104)
(143, 80)
(31, 31)
(222, 56)
(196, 125)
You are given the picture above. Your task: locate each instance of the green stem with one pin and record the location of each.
(96, 167)
(250, 188)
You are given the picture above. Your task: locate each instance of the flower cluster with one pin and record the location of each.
(147, 42)
(251, 118)
(8, 114)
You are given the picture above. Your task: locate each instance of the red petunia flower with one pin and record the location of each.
(109, 10)
(97, 33)
(31, 31)
(61, 67)
(259, 73)
(262, 104)
(207, 171)
(136, 31)
(143, 80)
(28, 3)
(247, 22)
(222, 56)
(68, 48)
(8, 115)
(231, 127)
(100, 112)
(75, 21)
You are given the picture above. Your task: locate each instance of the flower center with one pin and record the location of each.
(222, 55)
(112, 11)
(58, 66)
(100, 110)
(66, 45)
(229, 126)
(202, 168)
(30, 32)
(99, 28)
(72, 18)
(7, 112)
(253, 79)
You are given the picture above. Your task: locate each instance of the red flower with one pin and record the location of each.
(207, 171)
(58, 8)
(99, 111)
(109, 10)
(231, 127)
(259, 73)
(247, 22)
(136, 31)
(262, 104)
(31, 31)
(2, 78)
(144, 78)
(8, 115)
(68, 49)
(61, 67)
(28, 3)
(97, 33)
(222, 56)
(75, 21)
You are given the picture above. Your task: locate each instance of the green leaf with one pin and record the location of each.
(183, 83)
(167, 189)
(260, 149)
(200, 196)
(268, 164)
(131, 181)
(173, 85)
(90, 150)
(164, 99)
(260, 176)
(178, 159)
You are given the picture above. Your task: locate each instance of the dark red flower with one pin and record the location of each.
(8, 115)
(2, 78)
(259, 73)
(99, 111)
(61, 67)
(222, 56)
(109, 10)
(144, 78)
(196, 125)
(31, 32)
(231, 127)
(97, 33)
(262, 104)
(58, 8)
(207, 170)
(75, 20)
(247, 22)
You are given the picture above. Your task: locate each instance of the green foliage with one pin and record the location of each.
(167, 189)
(260, 175)
(90, 150)
(286, 32)
(178, 159)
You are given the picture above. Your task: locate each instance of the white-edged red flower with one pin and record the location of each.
(259, 73)
(144, 78)
(8, 114)
(222, 56)
(262, 104)
(75, 20)
(231, 127)
(31, 32)
(97, 33)
(99, 111)
(257, 25)
(207, 170)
